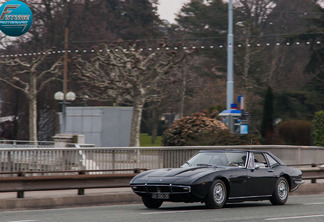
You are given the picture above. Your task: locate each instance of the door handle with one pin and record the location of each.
(270, 171)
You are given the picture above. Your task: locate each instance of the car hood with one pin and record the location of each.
(173, 175)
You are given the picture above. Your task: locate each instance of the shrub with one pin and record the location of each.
(201, 130)
(295, 132)
(318, 129)
(198, 129)
(237, 139)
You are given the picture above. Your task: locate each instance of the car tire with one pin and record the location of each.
(280, 195)
(151, 203)
(217, 195)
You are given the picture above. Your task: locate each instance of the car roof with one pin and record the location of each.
(234, 151)
(222, 151)
(241, 151)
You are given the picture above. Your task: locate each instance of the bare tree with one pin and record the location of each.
(251, 14)
(131, 75)
(30, 77)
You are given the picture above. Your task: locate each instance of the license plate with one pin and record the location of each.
(162, 196)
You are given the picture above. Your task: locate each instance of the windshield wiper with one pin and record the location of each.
(189, 164)
(205, 164)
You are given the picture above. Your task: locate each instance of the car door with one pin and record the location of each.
(238, 178)
(261, 178)
(237, 174)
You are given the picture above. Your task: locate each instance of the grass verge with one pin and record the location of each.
(146, 140)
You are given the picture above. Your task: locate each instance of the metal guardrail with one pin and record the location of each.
(79, 180)
(313, 173)
(82, 180)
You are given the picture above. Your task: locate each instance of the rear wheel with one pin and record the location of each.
(280, 195)
(151, 203)
(217, 195)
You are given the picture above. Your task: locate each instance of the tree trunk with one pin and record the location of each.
(136, 121)
(32, 120)
(183, 93)
(246, 69)
(32, 109)
(135, 128)
(155, 126)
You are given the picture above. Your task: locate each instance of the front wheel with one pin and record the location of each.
(217, 195)
(280, 195)
(151, 203)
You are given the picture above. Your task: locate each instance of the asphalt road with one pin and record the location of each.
(298, 208)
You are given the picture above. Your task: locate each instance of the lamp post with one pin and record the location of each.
(230, 46)
(64, 100)
(65, 97)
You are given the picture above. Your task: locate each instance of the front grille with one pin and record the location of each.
(161, 188)
(141, 189)
(158, 189)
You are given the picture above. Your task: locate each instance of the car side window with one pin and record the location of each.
(260, 159)
(272, 161)
(236, 159)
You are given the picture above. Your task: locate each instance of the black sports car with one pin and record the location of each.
(216, 177)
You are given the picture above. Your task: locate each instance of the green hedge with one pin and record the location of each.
(296, 132)
(318, 129)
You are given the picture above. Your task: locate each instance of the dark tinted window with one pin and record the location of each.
(234, 159)
(272, 161)
(260, 159)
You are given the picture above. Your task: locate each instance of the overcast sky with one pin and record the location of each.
(168, 8)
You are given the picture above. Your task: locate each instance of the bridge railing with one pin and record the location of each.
(98, 158)
(26, 144)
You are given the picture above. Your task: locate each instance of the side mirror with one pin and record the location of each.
(256, 166)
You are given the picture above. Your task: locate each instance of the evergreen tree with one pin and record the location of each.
(206, 24)
(267, 119)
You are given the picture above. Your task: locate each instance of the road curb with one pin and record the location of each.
(68, 201)
(106, 198)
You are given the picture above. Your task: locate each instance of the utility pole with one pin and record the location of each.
(230, 46)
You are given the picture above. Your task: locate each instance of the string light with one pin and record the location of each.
(203, 47)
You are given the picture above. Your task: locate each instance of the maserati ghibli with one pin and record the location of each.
(217, 177)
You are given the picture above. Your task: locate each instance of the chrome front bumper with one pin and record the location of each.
(298, 183)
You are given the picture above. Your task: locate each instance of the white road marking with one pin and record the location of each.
(295, 217)
(314, 203)
(23, 221)
(170, 212)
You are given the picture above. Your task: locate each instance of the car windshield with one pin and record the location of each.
(234, 159)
